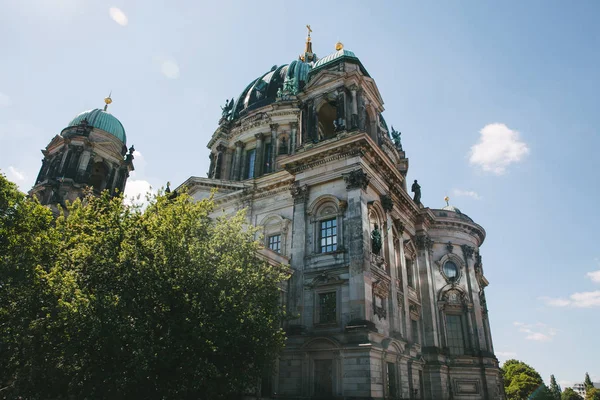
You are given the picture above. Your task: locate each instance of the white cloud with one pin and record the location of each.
(170, 69)
(538, 332)
(15, 175)
(5, 101)
(118, 16)
(594, 276)
(136, 190)
(498, 147)
(466, 193)
(578, 300)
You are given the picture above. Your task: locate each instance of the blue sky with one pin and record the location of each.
(497, 103)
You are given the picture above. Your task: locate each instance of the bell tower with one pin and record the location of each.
(90, 152)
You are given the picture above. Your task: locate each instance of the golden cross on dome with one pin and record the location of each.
(107, 101)
(309, 30)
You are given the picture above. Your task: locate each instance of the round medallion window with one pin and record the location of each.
(450, 270)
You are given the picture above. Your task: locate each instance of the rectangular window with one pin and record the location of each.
(410, 277)
(328, 235)
(454, 333)
(327, 307)
(268, 153)
(251, 158)
(275, 243)
(391, 380)
(415, 331)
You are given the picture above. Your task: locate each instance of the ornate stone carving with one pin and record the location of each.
(399, 226)
(400, 300)
(468, 251)
(299, 193)
(386, 202)
(356, 179)
(424, 242)
(381, 291)
(449, 247)
(414, 309)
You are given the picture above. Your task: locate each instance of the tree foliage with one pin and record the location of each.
(555, 388)
(592, 394)
(570, 394)
(521, 380)
(109, 301)
(587, 382)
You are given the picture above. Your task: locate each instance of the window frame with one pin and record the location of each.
(323, 249)
(279, 242)
(328, 289)
(461, 325)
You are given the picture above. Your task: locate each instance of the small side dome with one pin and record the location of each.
(103, 120)
(452, 208)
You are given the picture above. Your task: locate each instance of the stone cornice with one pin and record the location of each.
(465, 226)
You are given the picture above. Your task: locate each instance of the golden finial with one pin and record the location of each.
(309, 31)
(107, 101)
(447, 200)
(339, 46)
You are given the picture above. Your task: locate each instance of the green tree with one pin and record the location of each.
(587, 382)
(570, 394)
(592, 394)
(109, 301)
(555, 388)
(520, 380)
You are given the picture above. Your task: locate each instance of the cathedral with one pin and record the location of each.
(387, 295)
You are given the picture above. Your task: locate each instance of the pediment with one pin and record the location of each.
(324, 77)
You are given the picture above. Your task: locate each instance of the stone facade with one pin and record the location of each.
(388, 295)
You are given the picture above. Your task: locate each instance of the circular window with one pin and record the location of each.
(450, 270)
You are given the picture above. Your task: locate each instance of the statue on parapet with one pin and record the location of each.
(227, 108)
(416, 189)
(396, 138)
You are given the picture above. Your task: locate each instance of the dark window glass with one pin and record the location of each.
(410, 278)
(251, 157)
(275, 243)
(391, 381)
(327, 307)
(415, 330)
(268, 153)
(451, 270)
(454, 328)
(328, 235)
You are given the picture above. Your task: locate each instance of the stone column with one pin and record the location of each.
(83, 164)
(237, 161)
(341, 111)
(114, 180)
(298, 250)
(357, 232)
(475, 312)
(428, 299)
(258, 159)
(274, 146)
(354, 116)
(293, 137)
(219, 162)
(211, 168)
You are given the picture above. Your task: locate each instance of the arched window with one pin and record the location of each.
(275, 230)
(326, 212)
(455, 321)
(98, 176)
(327, 115)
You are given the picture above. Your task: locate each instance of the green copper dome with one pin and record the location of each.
(102, 120)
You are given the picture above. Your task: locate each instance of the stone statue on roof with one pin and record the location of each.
(396, 138)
